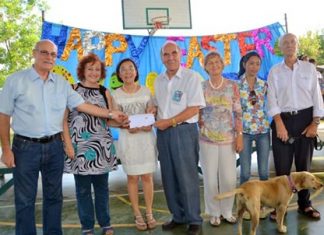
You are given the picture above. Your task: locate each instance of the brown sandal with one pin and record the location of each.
(140, 223)
(151, 222)
(310, 212)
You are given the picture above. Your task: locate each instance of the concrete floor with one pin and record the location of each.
(122, 219)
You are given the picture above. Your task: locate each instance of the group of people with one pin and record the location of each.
(52, 119)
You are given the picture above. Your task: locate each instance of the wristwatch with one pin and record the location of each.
(110, 115)
(317, 121)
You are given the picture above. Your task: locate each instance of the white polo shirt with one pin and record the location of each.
(172, 96)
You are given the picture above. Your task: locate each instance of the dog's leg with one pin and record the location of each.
(281, 210)
(255, 213)
(240, 210)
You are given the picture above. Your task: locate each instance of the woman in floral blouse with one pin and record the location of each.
(255, 119)
(220, 137)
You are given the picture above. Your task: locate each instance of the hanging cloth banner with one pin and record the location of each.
(73, 43)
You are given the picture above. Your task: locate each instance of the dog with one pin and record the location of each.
(275, 193)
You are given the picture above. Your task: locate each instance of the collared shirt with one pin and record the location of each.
(172, 96)
(255, 117)
(37, 107)
(292, 90)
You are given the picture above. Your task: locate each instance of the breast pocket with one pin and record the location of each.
(179, 98)
(58, 103)
(304, 82)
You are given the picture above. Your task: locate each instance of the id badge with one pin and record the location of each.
(177, 96)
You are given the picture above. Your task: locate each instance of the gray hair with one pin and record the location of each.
(167, 43)
(43, 41)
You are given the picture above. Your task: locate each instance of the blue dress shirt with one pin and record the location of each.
(37, 107)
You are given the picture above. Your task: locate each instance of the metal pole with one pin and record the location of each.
(286, 22)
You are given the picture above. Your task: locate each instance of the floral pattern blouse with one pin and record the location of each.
(255, 117)
(222, 114)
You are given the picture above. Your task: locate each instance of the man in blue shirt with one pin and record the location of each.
(36, 100)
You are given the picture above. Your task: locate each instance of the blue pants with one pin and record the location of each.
(86, 209)
(179, 155)
(262, 142)
(30, 158)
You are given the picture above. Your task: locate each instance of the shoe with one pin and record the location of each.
(88, 232)
(215, 221)
(107, 231)
(310, 212)
(140, 223)
(151, 222)
(263, 212)
(231, 220)
(170, 225)
(194, 229)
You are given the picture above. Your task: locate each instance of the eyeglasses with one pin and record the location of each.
(47, 53)
(252, 97)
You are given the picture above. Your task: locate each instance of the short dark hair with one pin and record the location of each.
(120, 64)
(90, 58)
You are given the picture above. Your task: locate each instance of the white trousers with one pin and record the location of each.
(218, 163)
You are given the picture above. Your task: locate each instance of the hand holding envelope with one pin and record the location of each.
(141, 120)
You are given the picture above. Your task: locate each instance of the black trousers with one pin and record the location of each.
(300, 149)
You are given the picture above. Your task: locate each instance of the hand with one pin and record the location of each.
(282, 132)
(162, 124)
(239, 143)
(146, 128)
(69, 151)
(310, 131)
(152, 110)
(8, 158)
(201, 123)
(120, 117)
(134, 130)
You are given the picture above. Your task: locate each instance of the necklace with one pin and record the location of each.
(131, 90)
(220, 85)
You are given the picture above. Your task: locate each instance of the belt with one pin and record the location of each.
(296, 112)
(183, 123)
(42, 140)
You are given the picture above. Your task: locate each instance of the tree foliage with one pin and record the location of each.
(20, 27)
(312, 45)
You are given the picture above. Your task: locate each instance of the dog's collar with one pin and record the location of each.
(291, 184)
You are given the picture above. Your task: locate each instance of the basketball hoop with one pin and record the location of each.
(158, 22)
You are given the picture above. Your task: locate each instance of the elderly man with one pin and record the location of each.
(36, 100)
(179, 97)
(296, 105)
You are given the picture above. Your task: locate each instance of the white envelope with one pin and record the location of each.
(140, 120)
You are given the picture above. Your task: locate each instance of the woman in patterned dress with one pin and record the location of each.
(220, 137)
(90, 150)
(136, 146)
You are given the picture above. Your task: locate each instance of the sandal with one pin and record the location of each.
(215, 221)
(140, 223)
(151, 222)
(231, 220)
(310, 212)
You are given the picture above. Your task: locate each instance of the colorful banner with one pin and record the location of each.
(73, 43)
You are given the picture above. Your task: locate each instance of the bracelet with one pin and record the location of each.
(316, 122)
(174, 123)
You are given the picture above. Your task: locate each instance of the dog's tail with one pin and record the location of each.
(228, 194)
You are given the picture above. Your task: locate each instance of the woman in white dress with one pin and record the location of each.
(136, 146)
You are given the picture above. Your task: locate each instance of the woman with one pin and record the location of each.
(136, 146)
(255, 119)
(90, 149)
(220, 137)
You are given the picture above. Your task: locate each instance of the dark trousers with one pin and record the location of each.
(301, 150)
(179, 155)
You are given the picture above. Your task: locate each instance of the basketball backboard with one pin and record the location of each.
(143, 14)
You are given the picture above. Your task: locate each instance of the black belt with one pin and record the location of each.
(183, 123)
(296, 112)
(43, 140)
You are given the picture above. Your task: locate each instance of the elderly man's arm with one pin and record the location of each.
(7, 156)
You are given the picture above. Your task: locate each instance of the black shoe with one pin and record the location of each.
(194, 229)
(170, 225)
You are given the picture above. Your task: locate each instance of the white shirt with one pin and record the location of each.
(172, 96)
(292, 90)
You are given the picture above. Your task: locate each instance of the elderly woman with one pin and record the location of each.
(220, 138)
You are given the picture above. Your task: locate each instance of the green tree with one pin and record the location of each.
(312, 45)
(20, 27)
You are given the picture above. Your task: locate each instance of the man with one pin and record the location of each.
(179, 97)
(36, 100)
(296, 105)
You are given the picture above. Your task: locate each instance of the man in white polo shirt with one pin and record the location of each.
(179, 97)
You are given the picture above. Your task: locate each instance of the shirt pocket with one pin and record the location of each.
(58, 103)
(304, 82)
